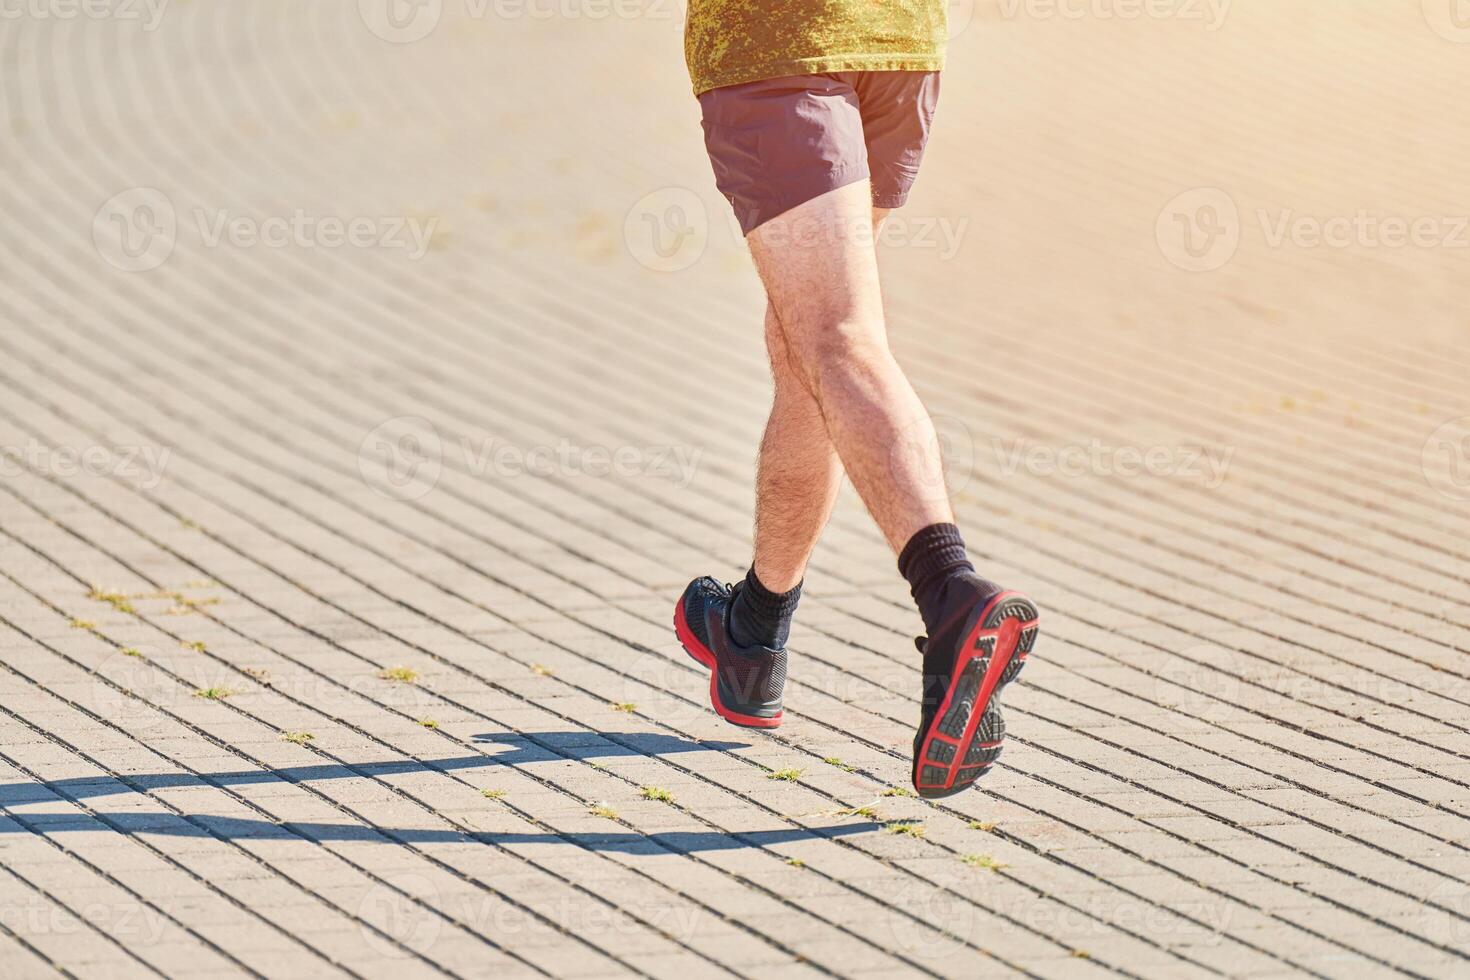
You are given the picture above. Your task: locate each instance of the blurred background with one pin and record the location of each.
(372, 245)
(1188, 223)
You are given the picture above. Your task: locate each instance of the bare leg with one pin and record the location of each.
(798, 476)
(820, 270)
(799, 473)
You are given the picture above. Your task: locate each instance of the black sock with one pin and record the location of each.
(932, 561)
(760, 617)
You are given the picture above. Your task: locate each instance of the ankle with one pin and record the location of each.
(760, 617)
(935, 564)
(774, 582)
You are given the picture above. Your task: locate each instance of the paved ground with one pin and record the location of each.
(1200, 396)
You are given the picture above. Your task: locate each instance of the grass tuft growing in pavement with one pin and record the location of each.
(910, 829)
(429, 723)
(832, 760)
(603, 810)
(213, 693)
(897, 791)
(197, 646)
(544, 671)
(625, 706)
(117, 600)
(492, 794)
(132, 652)
(785, 775)
(1081, 954)
(403, 675)
(183, 605)
(655, 793)
(860, 811)
(979, 825)
(298, 738)
(81, 624)
(796, 862)
(984, 861)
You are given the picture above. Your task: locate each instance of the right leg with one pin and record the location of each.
(820, 270)
(799, 473)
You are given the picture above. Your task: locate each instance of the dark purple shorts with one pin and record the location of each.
(781, 142)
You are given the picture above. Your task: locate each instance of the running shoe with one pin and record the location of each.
(745, 683)
(967, 663)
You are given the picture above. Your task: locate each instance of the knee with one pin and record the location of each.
(840, 353)
(790, 380)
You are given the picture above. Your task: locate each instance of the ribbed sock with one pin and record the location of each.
(933, 561)
(760, 617)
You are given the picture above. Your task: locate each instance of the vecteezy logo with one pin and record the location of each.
(952, 918)
(1199, 231)
(1449, 895)
(668, 683)
(937, 453)
(399, 911)
(1450, 19)
(136, 229)
(960, 12)
(134, 694)
(1446, 459)
(667, 231)
(402, 458)
(401, 21)
(1202, 682)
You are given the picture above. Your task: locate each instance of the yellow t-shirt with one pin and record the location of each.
(728, 42)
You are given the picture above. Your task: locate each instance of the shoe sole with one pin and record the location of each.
(966, 734)
(705, 657)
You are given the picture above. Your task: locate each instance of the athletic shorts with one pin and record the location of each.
(780, 142)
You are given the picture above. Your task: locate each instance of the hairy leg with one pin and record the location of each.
(798, 476)
(820, 269)
(799, 472)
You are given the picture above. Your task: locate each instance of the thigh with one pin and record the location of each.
(820, 271)
(779, 143)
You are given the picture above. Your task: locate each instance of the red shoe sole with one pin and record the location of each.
(705, 657)
(995, 649)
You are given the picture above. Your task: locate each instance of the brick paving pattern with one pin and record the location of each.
(370, 387)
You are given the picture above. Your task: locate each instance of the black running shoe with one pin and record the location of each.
(967, 663)
(745, 683)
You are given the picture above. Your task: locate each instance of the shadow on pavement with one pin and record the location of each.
(518, 750)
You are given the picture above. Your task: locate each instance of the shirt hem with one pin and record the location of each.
(817, 66)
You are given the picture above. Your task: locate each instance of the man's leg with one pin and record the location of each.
(798, 476)
(820, 268)
(797, 481)
(799, 472)
(819, 265)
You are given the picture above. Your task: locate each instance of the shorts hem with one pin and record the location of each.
(836, 180)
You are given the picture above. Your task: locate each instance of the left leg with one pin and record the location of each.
(797, 478)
